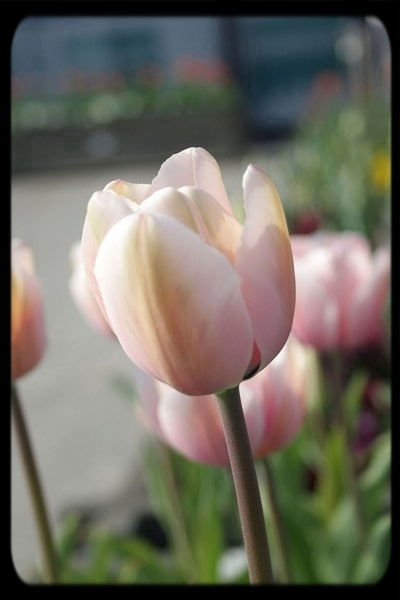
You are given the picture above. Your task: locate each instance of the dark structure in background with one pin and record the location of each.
(276, 61)
(94, 90)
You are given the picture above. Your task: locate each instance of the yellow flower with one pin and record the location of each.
(380, 171)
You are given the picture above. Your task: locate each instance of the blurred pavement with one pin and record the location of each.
(85, 437)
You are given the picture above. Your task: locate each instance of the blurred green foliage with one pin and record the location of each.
(337, 172)
(89, 109)
(319, 520)
(337, 169)
(322, 534)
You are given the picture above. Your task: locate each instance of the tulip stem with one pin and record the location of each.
(246, 486)
(277, 521)
(350, 474)
(50, 566)
(176, 515)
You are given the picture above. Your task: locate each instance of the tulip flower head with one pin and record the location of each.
(195, 298)
(273, 401)
(28, 335)
(341, 290)
(82, 294)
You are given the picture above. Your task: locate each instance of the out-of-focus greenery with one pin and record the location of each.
(337, 172)
(315, 500)
(93, 108)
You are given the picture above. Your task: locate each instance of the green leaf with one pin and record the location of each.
(375, 480)
(67, 537)
(332, 474)
(373, 563)
(338, 547)
(352, 397)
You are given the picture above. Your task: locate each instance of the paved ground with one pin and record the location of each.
(85, 437)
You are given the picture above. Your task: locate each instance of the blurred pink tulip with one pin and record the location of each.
(82, 295)
(274, 406)
(341, 290)
(28, 334)
(195, 298)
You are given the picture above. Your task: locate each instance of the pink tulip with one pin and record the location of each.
(28, 335)
(195, 298)
(274, 406)
(341, 290)
(82, 294)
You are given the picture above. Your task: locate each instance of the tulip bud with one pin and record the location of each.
(273, 401)
(341, 290)
(195, 298)
(28, 336)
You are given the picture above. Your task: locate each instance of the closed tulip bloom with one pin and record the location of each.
(273, 401)
(341, 290)
(28, 335)
(195, 298)
(83, 296)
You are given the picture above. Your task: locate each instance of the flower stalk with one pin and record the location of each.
(338, 384)
(278, 524)
(176, 515)
(246, 487)
(50, 563)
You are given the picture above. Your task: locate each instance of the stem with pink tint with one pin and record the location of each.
(50, 566)
(246, 486)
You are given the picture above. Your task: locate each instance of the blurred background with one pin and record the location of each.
(95, 99)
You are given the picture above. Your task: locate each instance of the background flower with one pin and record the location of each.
(274, 405)
(28, 336)
(341, 290)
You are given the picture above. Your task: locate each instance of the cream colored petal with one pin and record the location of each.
(104, 210)
(193, 167)
(175, 304)
(136, 192)
(82, 294)
(197, 210)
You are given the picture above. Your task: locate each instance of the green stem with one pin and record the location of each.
(352, 482)
(277, 521)
(176, 515)
(50, 566)
(351, 477)
(246, 486)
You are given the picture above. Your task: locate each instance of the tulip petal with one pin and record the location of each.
(147, 401)
(82, 294)
(265, 263)
(366, 309)
(196, 209)
(174, 303)
(28, 333)
(136, 192)
(104, 210)
(332, 273)
(193, 426)
(316, 315)
(193, 167)
(280, 395)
